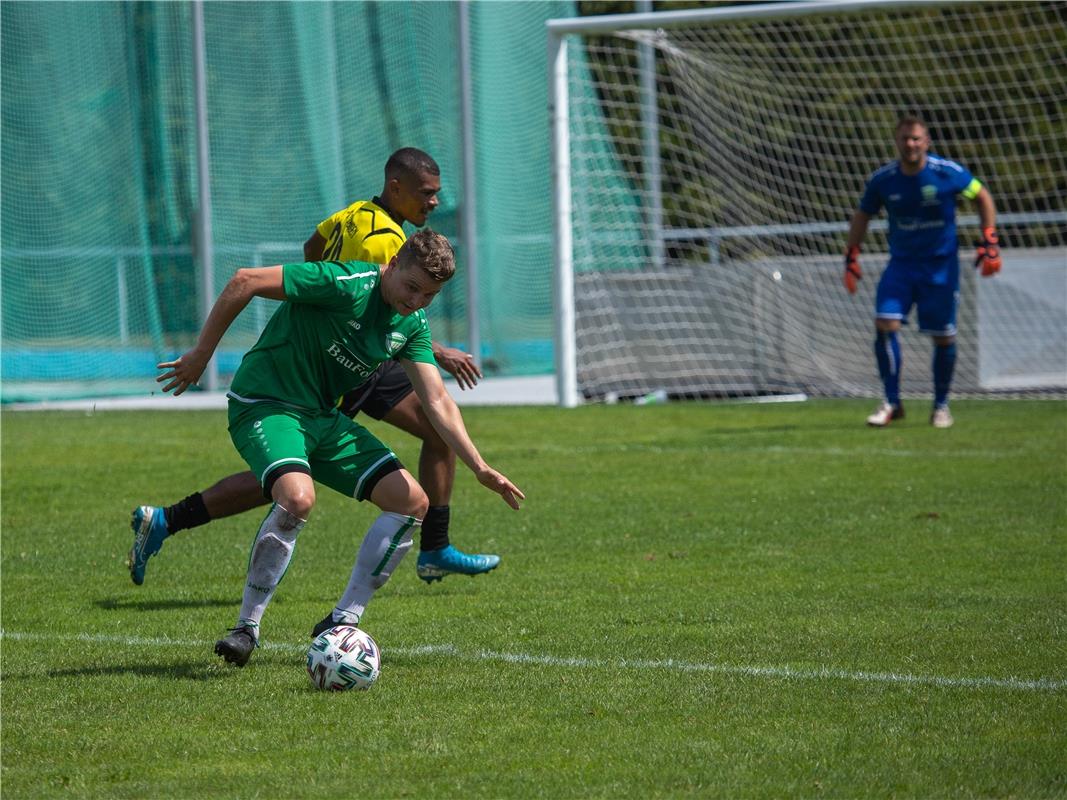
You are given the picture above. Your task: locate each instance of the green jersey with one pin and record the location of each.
(332, 332)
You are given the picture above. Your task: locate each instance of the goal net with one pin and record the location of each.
(707, 165)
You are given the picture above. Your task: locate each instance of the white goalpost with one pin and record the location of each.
(706, 164)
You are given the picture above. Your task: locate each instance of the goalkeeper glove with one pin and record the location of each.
(987, 256)
(852, 268)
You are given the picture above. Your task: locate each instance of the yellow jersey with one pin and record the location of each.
(362, 232)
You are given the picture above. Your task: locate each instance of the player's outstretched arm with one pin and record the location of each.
(186, 370)
(458, 364)
(446, 418)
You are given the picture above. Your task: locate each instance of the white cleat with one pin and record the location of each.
(941, 418)
(885, 414)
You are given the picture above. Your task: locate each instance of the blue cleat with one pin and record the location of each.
(149, 525)
(435, 564)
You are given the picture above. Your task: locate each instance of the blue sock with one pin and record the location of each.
(887, 353)
(944, 364)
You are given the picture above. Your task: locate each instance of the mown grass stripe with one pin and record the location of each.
(771, 449)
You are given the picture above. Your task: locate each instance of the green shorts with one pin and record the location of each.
(337, 451)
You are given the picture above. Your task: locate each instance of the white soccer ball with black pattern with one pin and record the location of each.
(342, 658)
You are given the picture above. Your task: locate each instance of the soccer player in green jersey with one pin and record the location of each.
(370, 231)
(338, 322)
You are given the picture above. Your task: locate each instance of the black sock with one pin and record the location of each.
(434, 534)
(187, 513)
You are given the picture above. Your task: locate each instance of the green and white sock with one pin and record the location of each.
(384, 546)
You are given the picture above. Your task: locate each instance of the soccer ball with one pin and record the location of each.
(344, 657)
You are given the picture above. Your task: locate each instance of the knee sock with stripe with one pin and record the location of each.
(385, 544)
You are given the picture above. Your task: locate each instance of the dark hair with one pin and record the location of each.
(907, 120)
(409, 162)
(431, 251)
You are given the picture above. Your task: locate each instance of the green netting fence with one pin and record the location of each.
(305, 103)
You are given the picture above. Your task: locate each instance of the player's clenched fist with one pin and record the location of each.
(987, 256)
(853, 273)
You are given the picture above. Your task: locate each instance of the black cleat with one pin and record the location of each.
(238, 646)
(323, 625)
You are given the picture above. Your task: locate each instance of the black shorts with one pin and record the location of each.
(376, 397)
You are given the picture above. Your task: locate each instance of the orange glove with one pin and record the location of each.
(853, 273)
(987, 256)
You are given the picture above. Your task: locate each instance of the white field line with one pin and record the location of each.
(667, 665)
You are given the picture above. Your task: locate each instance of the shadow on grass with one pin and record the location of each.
(123, 604)
(188, 670)
(209, 668)
(756, 429)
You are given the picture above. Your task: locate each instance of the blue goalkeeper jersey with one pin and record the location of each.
(921, 209)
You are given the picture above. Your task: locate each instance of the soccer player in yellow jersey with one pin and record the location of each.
(370, 231)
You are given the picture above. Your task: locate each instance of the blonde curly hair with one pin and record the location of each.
(432, 252)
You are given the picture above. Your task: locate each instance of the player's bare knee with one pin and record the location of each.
(944, 341)
(399, 493)
(294, 491)
(299, 503)
(415, 504)
(887, 325)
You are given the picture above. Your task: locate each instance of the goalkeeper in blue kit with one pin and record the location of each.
(918, 192)
(339, 321)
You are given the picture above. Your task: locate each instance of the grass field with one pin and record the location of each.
(696, 600)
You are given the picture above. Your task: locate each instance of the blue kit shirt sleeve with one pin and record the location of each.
(871, 202)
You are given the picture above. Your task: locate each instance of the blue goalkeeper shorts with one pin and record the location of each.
(935, 298)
